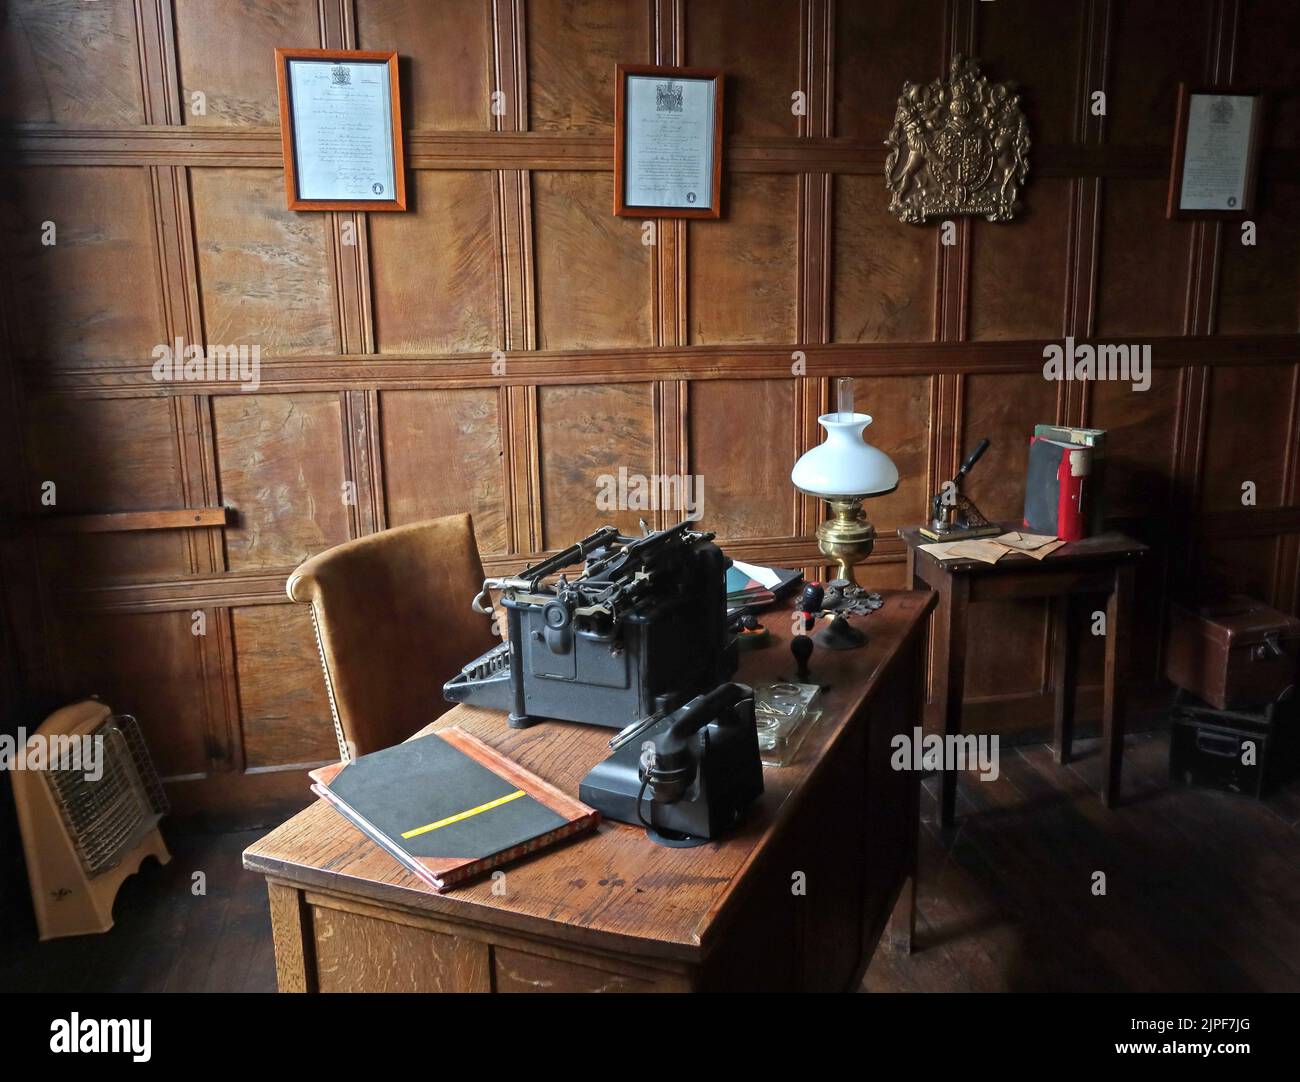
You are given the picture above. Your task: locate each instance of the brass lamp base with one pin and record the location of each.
(846, 537)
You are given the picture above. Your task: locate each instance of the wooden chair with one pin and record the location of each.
(393, 624)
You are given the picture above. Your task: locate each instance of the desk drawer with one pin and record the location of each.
(521, 971)
(333, 943)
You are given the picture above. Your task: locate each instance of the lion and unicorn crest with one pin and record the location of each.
(959, 146)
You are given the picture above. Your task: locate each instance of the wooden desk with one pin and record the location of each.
(1097, 565)
(614, 911)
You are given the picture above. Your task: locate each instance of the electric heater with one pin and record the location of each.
(89, 811)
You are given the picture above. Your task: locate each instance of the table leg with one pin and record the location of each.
(944, 711)
(901, 930)
(1064, 671)
(291, 931)
(1118, 614)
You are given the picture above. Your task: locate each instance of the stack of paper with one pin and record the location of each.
(991, 550)
(1036, 545)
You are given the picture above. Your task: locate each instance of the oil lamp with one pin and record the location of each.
(844, 470)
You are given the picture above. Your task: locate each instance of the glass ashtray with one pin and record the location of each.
(782, 716)
(769, 731)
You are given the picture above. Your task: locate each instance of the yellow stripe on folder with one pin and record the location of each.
(465, 814)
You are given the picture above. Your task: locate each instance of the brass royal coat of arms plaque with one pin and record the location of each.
(957, 147)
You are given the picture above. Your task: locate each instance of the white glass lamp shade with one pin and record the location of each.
(844, 464)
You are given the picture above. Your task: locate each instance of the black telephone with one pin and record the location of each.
(686, 776)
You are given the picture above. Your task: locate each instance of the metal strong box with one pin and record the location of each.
(1237, 753)
(1233, 653)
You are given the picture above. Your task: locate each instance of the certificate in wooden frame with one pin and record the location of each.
(1174, 207)
(389, 192)
(622, 187)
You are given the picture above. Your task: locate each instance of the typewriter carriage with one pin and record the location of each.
(641, 630)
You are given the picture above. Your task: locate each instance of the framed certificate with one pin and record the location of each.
(667, 142)
(1216, 153)
(341, 129)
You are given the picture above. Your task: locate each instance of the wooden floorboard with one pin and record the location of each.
(166, 936)
(1202, 888)
(1202, 894)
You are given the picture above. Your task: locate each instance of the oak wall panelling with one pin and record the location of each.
(445, 75)
(443, 452)
(1247, 439)
(150, 665)
(102, 456)
(281, 470)
(742, 280)
(753, 499)
(1268, 56)
(877, 49)
(1153, 47)
(263, 271)
(586, 434)
(71, 63)
(1136, 301)
(572, 49)
(1018, 276)
(214, 57)
(595, 274)
(285, 713)
(1255, 293)
(901, 408)
(93, 296)
(760, 56)
(436, 285)
(1043, 47)
(883, 271)
(508, 341)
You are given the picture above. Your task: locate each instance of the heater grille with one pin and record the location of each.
(107, 816)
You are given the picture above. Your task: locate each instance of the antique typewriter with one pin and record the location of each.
(642, 630)
(638, 642)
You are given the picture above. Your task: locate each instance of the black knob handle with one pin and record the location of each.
(801, 646)
(811, 598)
(973, 457)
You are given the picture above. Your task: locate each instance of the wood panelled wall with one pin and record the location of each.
(377, 354)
